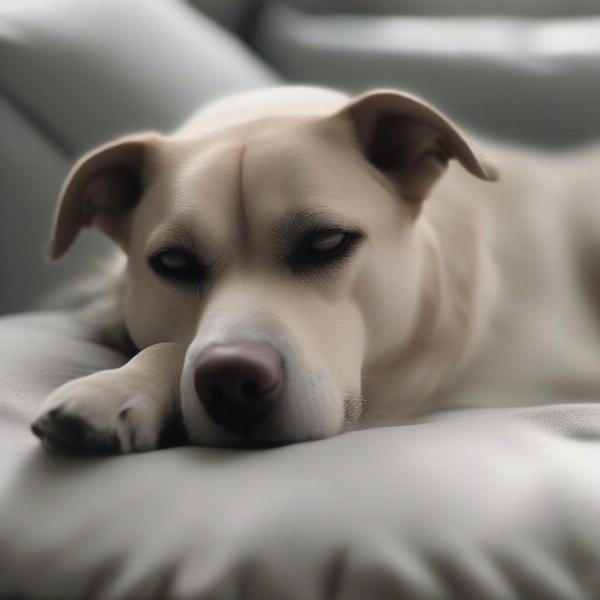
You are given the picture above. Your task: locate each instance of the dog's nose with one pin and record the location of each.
(238, 383)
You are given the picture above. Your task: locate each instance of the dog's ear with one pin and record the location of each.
(411, 141)
(101, 189)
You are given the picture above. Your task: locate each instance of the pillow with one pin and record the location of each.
(495, 504)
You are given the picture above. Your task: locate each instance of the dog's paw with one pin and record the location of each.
(114, 411)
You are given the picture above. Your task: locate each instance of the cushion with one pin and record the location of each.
(532, 80)
(530, 8)
(496, 504)
(88, 71)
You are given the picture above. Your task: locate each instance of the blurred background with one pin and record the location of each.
(74, 73)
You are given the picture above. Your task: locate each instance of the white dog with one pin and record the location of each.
(299, 263)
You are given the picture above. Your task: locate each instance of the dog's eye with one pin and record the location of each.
(178, 266)
(327, 241)
(321, 248)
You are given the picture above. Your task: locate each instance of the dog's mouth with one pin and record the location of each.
(267, 432)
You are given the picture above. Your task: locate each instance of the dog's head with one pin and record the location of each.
(283, 252)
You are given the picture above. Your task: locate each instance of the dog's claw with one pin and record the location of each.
(64, 432)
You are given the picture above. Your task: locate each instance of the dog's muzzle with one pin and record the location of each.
(239, 384)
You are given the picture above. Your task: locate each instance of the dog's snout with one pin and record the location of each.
(238, 383)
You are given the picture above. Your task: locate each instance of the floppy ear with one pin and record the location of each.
(101, 189)
(411, 141)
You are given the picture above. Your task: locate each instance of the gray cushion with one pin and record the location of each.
(529, 80)
(530, 8)
(94, 69)
(499, 505)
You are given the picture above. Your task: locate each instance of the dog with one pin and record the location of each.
(299, 263)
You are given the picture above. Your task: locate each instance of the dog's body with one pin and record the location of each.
(536, 333)
(447, 294)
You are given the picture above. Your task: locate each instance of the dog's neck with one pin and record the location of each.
(413, 378)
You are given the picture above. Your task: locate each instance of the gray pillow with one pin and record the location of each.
(495, 504)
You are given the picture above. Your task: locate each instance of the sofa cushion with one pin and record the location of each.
(527, 80)
(92, 70)
(530, 8)
(497, 504)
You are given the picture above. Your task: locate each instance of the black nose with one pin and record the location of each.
(239, 383)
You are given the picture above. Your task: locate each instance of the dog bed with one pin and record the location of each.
(495, 504)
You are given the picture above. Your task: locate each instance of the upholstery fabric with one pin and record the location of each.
(499, 504)
(530, 8)
(92, 70)
(531, 80)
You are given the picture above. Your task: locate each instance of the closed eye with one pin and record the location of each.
(179, 267)
(322, 248)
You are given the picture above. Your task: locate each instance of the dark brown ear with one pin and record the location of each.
(101, 189)
(411, 141)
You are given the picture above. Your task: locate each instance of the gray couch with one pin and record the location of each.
(496, 504)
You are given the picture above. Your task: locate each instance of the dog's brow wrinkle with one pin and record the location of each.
(176, 234)
(244, 222)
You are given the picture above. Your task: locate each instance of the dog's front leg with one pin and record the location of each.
(118, 410)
